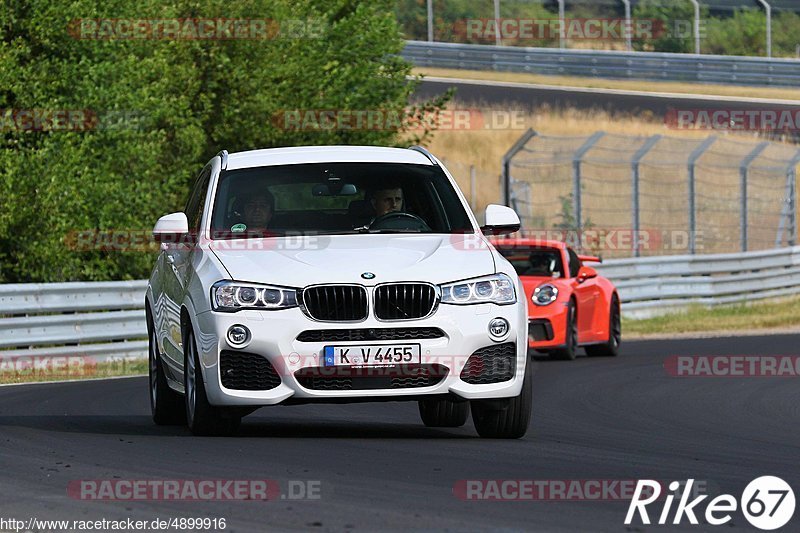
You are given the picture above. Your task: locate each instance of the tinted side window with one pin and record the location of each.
(194, 207)
(574, 263)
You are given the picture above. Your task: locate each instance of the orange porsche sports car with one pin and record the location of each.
(570, 305)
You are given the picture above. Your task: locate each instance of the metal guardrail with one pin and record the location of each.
(105, 320)
(100, 319)
(652, 286)
(738, 70)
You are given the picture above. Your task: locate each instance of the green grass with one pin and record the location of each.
(783, 313)
(78, 369)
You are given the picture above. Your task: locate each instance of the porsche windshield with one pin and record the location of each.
(331, 198)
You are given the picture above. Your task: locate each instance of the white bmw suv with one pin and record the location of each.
(335, 274)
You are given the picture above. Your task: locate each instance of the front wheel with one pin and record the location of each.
(202, 417)
(570, 348)
(511, 418)
(166, 405)
(443, 413)
(611, 347)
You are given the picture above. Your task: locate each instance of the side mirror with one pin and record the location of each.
(500, 220)
(585, 273)
(171, 228)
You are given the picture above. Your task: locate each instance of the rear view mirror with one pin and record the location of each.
(500, 220)
(334, 189)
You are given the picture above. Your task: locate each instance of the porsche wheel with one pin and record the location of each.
(611, 347)
(570, 347)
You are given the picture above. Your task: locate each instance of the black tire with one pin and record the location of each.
(443, 413)
(610, 348)
(202, 417)
(166, 405)
(507, 419)
(569, 351)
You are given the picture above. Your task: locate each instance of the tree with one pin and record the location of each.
(158, 109)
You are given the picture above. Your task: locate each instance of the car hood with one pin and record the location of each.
(302, 261)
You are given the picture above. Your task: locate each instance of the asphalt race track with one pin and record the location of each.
(527, 97)
(378, 467)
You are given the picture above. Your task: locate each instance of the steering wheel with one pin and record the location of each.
(396, 219)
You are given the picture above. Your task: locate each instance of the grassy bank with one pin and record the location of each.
(783, 313)
(23, 370)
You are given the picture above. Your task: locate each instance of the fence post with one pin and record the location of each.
(649, 143)
(562, 31)
(576, 176)
(744, 167)
(498, 40)
(768, 9)
(696, 5)
(789, 210)
(472, 188)
(628, 26)
(430, 21)
(518, 145)
(693, 157)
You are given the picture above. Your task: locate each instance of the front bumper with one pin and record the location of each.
(548, 326)
(274, 337)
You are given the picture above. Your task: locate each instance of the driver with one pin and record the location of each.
(539, 264)
(387, 199)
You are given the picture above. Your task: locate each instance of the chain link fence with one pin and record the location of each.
(625, 195)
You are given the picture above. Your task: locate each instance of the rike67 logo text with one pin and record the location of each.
(767, 503)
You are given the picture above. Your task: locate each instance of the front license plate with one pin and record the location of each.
(372, 355)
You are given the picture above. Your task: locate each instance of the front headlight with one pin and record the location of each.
(544, 294)
(498, 289)
(232, 296)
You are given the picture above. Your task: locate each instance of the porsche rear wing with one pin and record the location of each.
(590, 259)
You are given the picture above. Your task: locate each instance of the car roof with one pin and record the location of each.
(541, 243)
(324, 154)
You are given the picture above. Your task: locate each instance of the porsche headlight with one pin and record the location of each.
(232, 296)
(498, 289)
(544, 294)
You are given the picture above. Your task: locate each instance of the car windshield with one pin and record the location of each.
(535, 261)
(336, 198)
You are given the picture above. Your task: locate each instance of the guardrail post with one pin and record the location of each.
(519, 145)
(744, 167)
(693, 157)
(637, 157)
(576, 176)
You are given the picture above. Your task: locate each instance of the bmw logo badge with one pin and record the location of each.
(368, 275)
